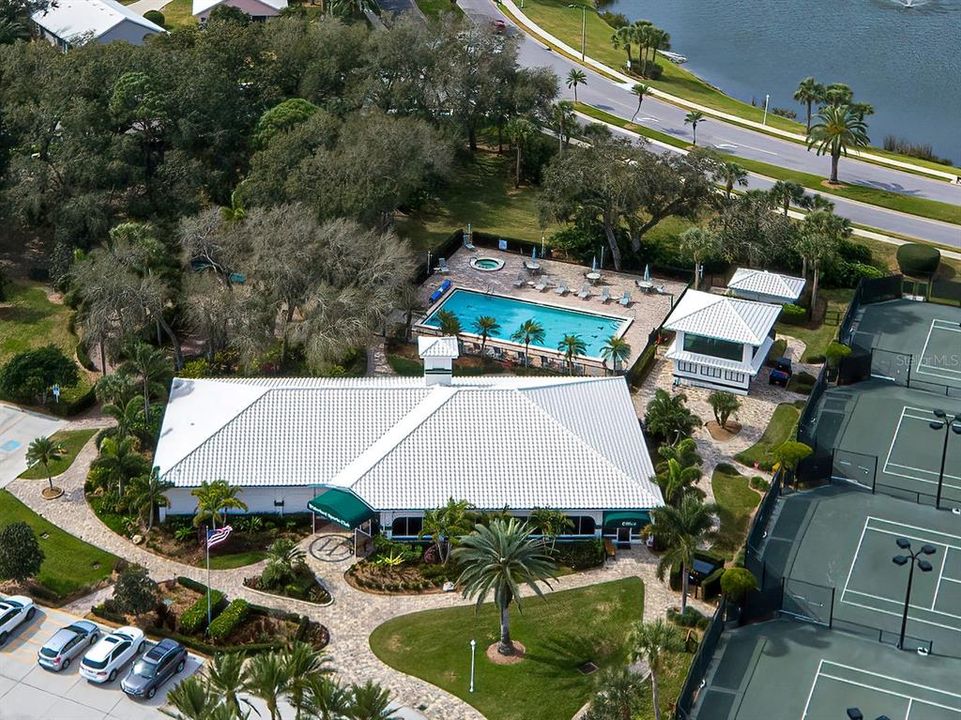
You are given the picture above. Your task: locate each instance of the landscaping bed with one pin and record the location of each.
(72, 442)
(303, 586)
(780, 429)
(736, 500)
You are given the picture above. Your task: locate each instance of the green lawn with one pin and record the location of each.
(560, 633)
(436, 8)
(779, 429)
(178, 13)
(817, 336)
(736, 501)
(29, 320)
(70, 564)
(481, 193)
(236, 560)
(73, 442)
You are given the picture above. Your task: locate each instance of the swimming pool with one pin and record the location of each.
(468, 305)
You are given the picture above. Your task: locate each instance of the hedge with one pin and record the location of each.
(194, 618)
(793, 315)
(580, 555)
(918, 260)
(228, 620)
(156, 17)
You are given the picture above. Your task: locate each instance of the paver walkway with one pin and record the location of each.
(353, 615)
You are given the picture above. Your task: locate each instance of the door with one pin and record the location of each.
(623, 535)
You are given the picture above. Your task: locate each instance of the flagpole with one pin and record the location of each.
(207, 548)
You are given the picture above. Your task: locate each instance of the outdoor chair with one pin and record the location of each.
(606, 295)
(625, 299)
(520, 281)
(442, 266)
(541, 284)
(561, 289)
(585, 292)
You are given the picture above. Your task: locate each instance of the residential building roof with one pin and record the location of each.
(520, 442)
(429, 346)
(72, 19)
(724, 318)
(200, 6)
(763, 282)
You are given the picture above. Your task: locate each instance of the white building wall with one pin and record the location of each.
(127, 31)
(260, 500)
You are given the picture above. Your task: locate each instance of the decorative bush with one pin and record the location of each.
(736, 582)
(918, 260)
(793, 314)
(229, 620)
(690, 618)
(156, 17)
(759, 483)
(194, 618)
(580, 555)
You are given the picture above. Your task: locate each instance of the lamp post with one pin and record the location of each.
(949, 425)
(856, 714)
(583, 9)
(914, 558)
(473, 648)
(767, 100)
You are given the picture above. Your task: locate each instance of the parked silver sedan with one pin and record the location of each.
(66, 644)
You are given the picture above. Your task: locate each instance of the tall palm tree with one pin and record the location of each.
(529, 332)
(267, 678)
(786, 192)
(693, 118)
(624, 37)
(119, 462)
(562, 121)
(303, 662)
(837, 130)
(449, 323)
(574, 78)
(44, 450)
(225, 675)
(571, 345)
(821, 234)
(616, 350)
(154, 369)
(698, 244)
(213, 498)
(369, 702)
(520, 130)
(808, 92)
(410, 303)
(651, 642)
(641, 30)
(326, 699)
(731, 174)
(677, 481)
(147, 494)
(446, 524)
(128, 415)
(682, 529)
(837, 94)
(658, 40)
(642, 91)
(499, 559)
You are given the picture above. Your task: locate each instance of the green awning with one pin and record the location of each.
(343, 507)
(634, 519)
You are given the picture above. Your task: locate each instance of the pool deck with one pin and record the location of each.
(646, 311)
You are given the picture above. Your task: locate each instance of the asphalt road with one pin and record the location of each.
(664, 117)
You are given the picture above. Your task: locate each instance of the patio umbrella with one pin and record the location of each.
(534, 253)
(647, 273)
(594, 264)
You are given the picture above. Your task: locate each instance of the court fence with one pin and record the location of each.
(699, 665)
(868, 291)
(758, 530)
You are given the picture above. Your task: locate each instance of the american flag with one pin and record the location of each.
(215, 537)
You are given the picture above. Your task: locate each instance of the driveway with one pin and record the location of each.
(29, 692)
(18, 428)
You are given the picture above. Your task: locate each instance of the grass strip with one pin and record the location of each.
(72, 442)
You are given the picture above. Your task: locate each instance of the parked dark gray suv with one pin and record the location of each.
(154, 668)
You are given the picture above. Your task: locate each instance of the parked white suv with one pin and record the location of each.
(104, 661)
(14, 610)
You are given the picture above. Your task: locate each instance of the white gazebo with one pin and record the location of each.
(765, 286)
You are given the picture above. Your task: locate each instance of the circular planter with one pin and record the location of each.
(53, 493)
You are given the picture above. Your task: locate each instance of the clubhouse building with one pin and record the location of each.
(376, 453)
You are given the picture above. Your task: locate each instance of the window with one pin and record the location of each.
(734, 376)
(406, 526)
(687, 366)
(713, 347)
(583, 525)
(709, 371)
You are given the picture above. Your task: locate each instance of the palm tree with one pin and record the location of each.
(624, 37)
(119, 462)
(808, 92)
(642, 91)
(658, 40)
(449, 323)
(267, 677)
(651, 642)
(498, 559)
(236, 211)
(326, 699)
(410, 303)
(529, 332)
(213, 498)
(303, 663)
(116, 388)
(445, 524)
(284, 559)
(486, 326)
(693, 118)
(520, 130)
(148, 494)
(44, 450)
(370, 702)
(571, 345)
(551, 523)
(837, 130)
(821, 235)
(190, 699)
(731, 174)
(153, 367)
(786, 192)
(617, 350)
(699, 244)
(669, 417)
(618, 696)
(837, 94)
(225, 675)
(574, 78)
(677, 481)
(682, 529)
(128, 416)
(685, 453)
(641, 30)
(562, 120)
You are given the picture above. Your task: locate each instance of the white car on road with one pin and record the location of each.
(104, 661)
(14, 610)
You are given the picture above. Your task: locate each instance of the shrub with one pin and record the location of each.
(29, 375)
(194, 618)
(229, 620)
(736, 582)
(690, 618)
(108, 611)
(135, 591)
(580, 555)
(711, 585)
(20, 552)
(647, 69)
(793, 315)
(759, 483)
(156, 17)
(918, 260)
(815, 358)
(777, 351)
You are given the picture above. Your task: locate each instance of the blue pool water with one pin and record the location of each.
(557, 322)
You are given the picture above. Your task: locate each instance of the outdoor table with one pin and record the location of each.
(646, 285)
(532, 265)
(593, 277)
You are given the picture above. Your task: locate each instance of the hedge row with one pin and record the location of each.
(228, 620)
(793, 315)
(194, 618)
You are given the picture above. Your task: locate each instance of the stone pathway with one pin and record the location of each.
(377, 364)
(353, 615)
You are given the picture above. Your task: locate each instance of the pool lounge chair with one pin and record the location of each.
(605, 295)
(625, 299)
(585, 292)
(561, 289)
(442, 266)
(520, 281)
(541, 285)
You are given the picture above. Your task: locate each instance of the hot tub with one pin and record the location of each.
(486, 264)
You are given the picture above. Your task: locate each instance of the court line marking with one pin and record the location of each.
(937, 588)
(924, 350)
(897, 431)
(901, 605)
(873, 608)
(884, 691)
(911, 527)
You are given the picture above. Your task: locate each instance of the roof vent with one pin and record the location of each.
(438, 354)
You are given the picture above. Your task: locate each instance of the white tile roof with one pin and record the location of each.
(724, 318)
(446, 346)
(763, 282)
(200, 6)
(567, 443)
(69, 19)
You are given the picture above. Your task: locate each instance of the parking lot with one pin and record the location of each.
(29, 692)
(17, 429)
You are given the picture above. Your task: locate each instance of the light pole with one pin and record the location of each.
(473, 648)
(856, 714)
(949, 425)
(913, 557)
(583, 9)
(767, 100)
